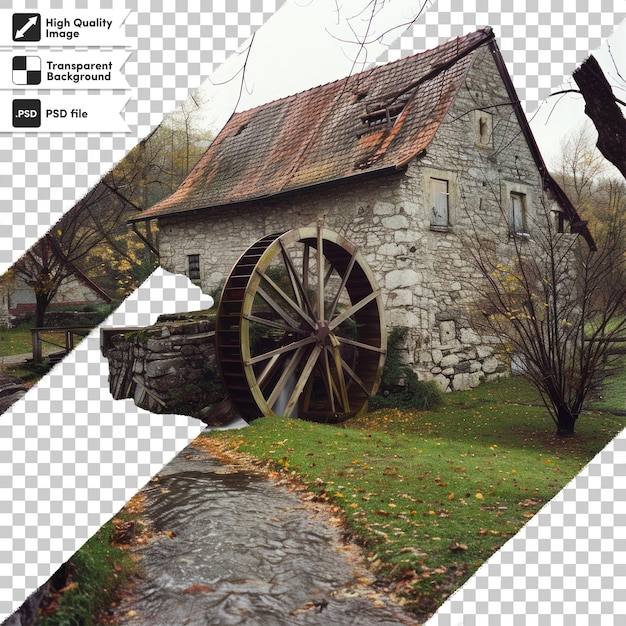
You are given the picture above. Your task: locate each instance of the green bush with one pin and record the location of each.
(400, 388)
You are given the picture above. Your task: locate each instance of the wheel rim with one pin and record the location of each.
(282, 349)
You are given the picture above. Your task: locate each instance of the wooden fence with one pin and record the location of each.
(69, 333)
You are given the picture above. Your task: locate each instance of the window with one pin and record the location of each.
(379, 113)
(440, 205)
(483, 129)
(518, 213)
(559, 220)
(440, 199)
(193, 261)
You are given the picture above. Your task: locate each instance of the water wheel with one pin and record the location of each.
(300, 329)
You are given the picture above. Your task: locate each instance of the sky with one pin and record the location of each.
(304, 44)
(560, 115)
(312, 42)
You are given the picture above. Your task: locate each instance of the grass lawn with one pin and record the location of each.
(612, 396)
(95, 576)
(16, 340)
(431, 495)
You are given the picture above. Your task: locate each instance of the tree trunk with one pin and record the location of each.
(604, 112)
(41, 304)
(565, 422)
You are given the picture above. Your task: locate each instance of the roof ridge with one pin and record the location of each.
(486, 32)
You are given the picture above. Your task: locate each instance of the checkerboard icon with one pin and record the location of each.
(26, 70)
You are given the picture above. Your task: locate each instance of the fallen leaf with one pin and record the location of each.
(529, 502)
(320, 605)
(194, 590)
(71, 585)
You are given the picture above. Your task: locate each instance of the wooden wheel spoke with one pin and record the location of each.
(336, 391)
(303, 379)
(267, 370)
(281, 312)
(273, 324)
(360, 344)
(320, 274)
(329, 383)
(343, 390)
(318, 374)
(306, 253)
(288, 348)
(328, 274)
(342, 317)
(290, 302)
(288, 371)
(299, 288)
(342, 286)
(354, 377)
(306, 395)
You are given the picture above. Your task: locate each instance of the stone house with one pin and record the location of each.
(405, 160)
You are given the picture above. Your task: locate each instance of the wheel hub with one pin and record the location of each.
(324, 335)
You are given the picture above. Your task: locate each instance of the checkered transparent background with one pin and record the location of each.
(71, 456)
(542, 42)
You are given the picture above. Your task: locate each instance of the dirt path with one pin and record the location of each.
(14, 359)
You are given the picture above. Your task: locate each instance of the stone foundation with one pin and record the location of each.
(168, 367)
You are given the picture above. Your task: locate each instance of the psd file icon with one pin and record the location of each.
(26, 113)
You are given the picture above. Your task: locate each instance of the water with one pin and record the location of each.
(234, 548)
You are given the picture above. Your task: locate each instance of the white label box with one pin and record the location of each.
(63, 113)
(62, 69)
(47, 27)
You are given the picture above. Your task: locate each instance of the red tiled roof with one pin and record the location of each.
(328, 133)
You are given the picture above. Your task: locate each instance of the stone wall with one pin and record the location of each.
(5, 318)
(168, 367)
(427, 274)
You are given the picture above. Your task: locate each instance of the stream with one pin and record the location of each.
(233, 548)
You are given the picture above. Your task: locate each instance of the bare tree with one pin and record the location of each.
(67, 246)
(555, 306)
(93, 236)
(580, 168)
(42, 270)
